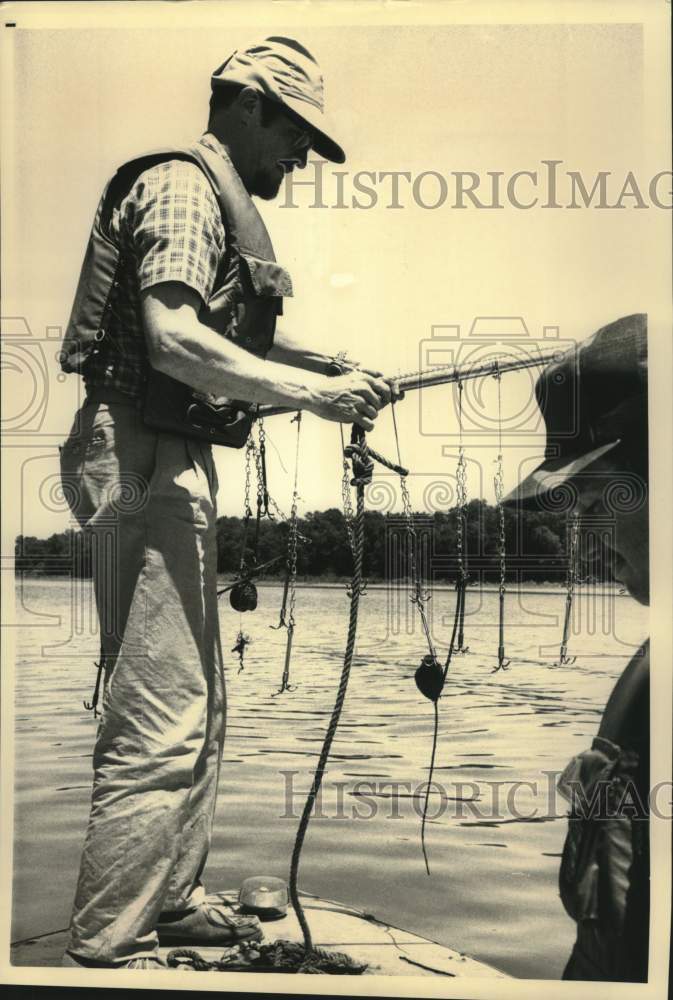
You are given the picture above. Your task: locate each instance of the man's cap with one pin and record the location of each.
(593, 400)
(284, 71)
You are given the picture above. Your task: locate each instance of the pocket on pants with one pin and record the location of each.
(204, 459)
(88, 462)
(202, 482)
(107, 462)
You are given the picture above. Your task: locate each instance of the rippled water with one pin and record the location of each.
(492, 890)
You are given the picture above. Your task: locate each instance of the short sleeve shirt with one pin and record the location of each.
(169, 228)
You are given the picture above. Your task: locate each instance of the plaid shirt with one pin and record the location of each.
(169, 228)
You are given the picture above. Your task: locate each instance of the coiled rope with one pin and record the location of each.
(279, 956)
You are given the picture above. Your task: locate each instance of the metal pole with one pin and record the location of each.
(445, 375)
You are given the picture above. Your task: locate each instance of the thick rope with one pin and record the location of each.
(387, 464)
(358, 439)
(431, 771)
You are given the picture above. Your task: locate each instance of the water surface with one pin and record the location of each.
(494, 840)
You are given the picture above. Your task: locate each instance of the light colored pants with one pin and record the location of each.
(148, 501)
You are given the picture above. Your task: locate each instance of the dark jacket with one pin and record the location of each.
(604, 877)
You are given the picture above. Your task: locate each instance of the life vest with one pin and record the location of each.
(246, 299)
(604, 874)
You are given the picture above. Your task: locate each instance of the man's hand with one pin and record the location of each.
(354, 398)
(395, 392)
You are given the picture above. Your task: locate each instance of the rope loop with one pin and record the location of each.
(363, 466)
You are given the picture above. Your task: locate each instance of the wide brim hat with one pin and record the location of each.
(594, 402)
(284, 71)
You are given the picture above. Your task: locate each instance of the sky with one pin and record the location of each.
(397, 288)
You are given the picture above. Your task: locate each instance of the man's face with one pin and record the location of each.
(281, 145)
(617, 519)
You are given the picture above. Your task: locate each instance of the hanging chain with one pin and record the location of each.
(418, 595)
(292, 537)
(271, 508)
(428, 677)
(266, 505)
(247, 509)
(573, 552)
(249, 448)
(461, 529)
(287, 619)
(499, 485)
(346, 495)
(262, 469)
(572, 579)
(262, 495)
(461, 490)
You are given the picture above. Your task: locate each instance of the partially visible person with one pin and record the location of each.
(594, 403)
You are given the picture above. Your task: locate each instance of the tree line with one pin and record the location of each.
(535, 543)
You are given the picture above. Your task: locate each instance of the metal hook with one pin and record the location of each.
(502, 665)
(92, 706)
(283, 688)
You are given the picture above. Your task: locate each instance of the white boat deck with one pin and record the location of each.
(387, 950)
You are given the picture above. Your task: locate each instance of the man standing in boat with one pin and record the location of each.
(594, 402)
(173, 330)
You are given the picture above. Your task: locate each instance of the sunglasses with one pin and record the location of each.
(301, 138)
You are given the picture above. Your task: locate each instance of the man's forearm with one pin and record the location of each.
(287, 350)
(197, 355)
(181, 346)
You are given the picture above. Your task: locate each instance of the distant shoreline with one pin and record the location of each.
(532, 588)
(308, 583)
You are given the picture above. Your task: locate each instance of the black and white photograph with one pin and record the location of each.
(336, 497)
